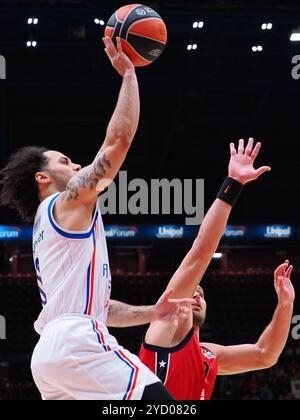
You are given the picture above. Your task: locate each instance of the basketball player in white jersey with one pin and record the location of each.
(76, 357)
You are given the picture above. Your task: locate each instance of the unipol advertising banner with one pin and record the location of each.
(233, 233)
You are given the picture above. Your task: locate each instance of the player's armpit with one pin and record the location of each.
(184, 327)
(233, 360)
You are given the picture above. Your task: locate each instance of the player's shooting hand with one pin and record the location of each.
(283, 285)
(118, 58)
(242, 160)
(172, 310)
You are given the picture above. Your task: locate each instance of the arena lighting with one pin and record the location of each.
(218, 255)
(31, 44)
(191, 47)
(198, 25)
(99, 22)
(295, 37)
(33, 21)
(266, 26)
(257, 48)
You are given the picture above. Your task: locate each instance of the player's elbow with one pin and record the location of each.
(110, 316)
(266, 364)
(270, 362)
(120, 138)
(267, 360)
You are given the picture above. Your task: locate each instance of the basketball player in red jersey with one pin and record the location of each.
(172, 350)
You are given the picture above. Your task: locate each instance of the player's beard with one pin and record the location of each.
(198, 319)
(60, 181)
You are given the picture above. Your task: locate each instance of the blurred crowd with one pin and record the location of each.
(281, 382)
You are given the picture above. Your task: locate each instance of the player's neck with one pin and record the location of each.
(45, 193)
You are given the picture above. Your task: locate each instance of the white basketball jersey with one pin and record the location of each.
(72, 268)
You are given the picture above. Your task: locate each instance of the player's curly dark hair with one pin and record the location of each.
(18, 187)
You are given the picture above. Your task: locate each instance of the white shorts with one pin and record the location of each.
(77, 359)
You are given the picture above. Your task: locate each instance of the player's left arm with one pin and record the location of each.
(265, 353)
(122, 315)
(189, 274)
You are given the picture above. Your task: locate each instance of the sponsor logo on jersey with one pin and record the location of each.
(207, 353)
(39, 239)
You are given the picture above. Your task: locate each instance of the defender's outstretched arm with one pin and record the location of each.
(189, 274)
(194, 265)
(265, 353)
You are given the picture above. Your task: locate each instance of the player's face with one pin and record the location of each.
(199, 309)
(61, 169)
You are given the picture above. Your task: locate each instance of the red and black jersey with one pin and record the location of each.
(187, 370)
(211, 372)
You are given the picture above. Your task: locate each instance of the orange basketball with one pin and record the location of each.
(142, 31)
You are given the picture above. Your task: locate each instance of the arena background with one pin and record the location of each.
(61, 94)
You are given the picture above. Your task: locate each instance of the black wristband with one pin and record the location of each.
(230, 191)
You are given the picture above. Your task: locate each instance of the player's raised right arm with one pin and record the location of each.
(84, 187)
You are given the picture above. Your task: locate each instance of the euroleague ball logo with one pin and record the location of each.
(144, 11)
(155, 53)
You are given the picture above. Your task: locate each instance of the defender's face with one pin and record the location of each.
(199, 309)
(60, 168)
